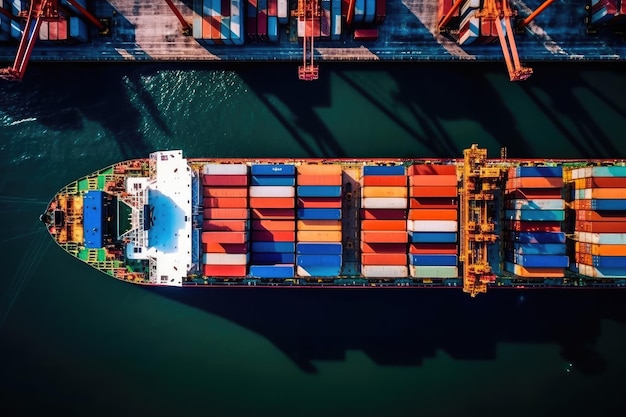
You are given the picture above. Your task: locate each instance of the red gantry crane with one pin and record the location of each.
(308, 14)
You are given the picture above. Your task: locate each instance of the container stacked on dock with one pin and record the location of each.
(599, 205)
(218, 22)
(433, 221)
(273, 235)
(383, 222)
(225, 220)
(535, 209)
(607, 12)
(319, 248)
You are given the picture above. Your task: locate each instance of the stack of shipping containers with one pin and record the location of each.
(607, 12)
(273, 236)
(225, 220)
(17, 25)
(599, 203)
(218, 22)
(535, 210)
(319, 249)
(433, 221)
(383, 221)
(471, 28)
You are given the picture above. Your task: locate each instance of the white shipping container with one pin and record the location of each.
(225, 169)
(432, 225)
(384, 271)
(421, 271)
(43, 31)
(384, 203)
(225, 258)
(539, 204)
(282, 12)
(197, 26)
(470, 32)
(272, 191)
(602, 238)
(236, 28)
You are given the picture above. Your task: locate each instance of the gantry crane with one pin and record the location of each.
(477, 228)
(308, 11)
(39, 11)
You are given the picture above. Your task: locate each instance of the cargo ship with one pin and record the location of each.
(474, 223)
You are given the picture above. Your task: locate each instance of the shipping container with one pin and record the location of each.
(532, 226)
(272, 28)
(537, 204)
(78, 29)
(319, 202)
(273, 180)
(273, 169)
(384, 203)
(319, 236)
(270, 258)
(225, 202)
(282, 12)
(541, 272)
(320, 170)
(535, 182)
(318, 214)
(536, 171)
(311, 260)
(432, 191)
(273, 213)
(384, 271)
(604, 171)
(384, 192)
(225, 258)
(240, 192)
(538, 237)
(534, 193)
(539, 248)
(224, 270)
(319, 248)
(383, 225)
(271, 191)
(319, 191)
(604, 216)
(383, 214)
(220, 213)
(382, 247)
(433, 203)
(535, 215)
(370, 11)
(261, 19)
(432, 260)
(225, 180)
(319, 180)
(542, 261)
(381, 11)
(431, 214)
(318, 271)
(602, 238)
(225, 225)
(43, 30)
(217, 247)
(600, 227)
(601, 250)
(273, 235)
(280, 271)
(224, 237)
(274, 225)
(236, 23)
(433, 180)
(224, 169)
(432, 237)
(272, 203)
(433, 248)
(384, 181)
(600, 193)
(384, 259)
(431, 169)
(432, 225)
(602, 182)
(335, 20)
(359, 12)
(269, 246)
(595, 272)
(334, 225)
(606, 204)
(377, 236)
(384, 170)
(430, 271)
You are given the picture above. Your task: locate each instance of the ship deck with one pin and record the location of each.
(149, 31)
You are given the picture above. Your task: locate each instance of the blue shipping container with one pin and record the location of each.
(272, 271)
(539, 248)
(609, 261)
(319, 191)
(273, 180)
(273, 169)
(273, 247)
(537, 204)
(270, 258)
(432, 237)
(433, 260)
(608, 204)
(539, 171)
(306, 248)
(384, 170)
(310, 260)
(616, 171)
(544, 261)
(535, 215)
(319, 214)
(538, 237)
(319, 270)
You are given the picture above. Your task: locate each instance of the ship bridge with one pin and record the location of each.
(162, 218)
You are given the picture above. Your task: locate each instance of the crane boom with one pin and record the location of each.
(308, 11)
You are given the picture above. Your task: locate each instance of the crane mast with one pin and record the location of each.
(477, 227)
(308, 12)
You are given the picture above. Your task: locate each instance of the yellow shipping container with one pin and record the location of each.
(319, 225)
(319, 169)
(319, 236)
(384, 192)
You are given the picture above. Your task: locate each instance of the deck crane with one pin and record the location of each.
(308, 11)
(477, 227)
(39, 11)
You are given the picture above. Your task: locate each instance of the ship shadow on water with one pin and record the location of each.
(403, 327)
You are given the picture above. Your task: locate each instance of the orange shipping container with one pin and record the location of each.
(383, 247)
(383, 225)
(225, 191)
(534, 182)
(225, 225)
(224, 270)
(601, 250)
(319, 236)
(383, 214)
(395, 192)
(611, 193)
(319, 225)
(432, 169)
(319, 169)
(222, 213)
(433, 192)
(319, 180)
(384, 180)
(428, 214)
(384, 259)
(225, 202)
(319, 202)
(273, 213)
(215, 247)
(433, 180)
(272, 236)
(377, 236)
(604, 216)
(272, 202)
(433, 203)
(539, 272)
(224, 237)
(274, 225)
(433, 248)
(600, 227)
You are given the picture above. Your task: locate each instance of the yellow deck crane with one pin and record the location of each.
(477, 227)
(308, 15)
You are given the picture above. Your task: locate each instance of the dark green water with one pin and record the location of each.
(73, 341)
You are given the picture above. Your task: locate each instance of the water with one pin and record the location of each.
(73, 341)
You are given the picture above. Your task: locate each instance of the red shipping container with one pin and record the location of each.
(384, 180)
(223, 213)
(272, 202)
(225, 192)
(272, 7)
(383, 225)
(272, 236)
(319, 180)
(319, 202)
(433, 248)
(383, 247)
(524, 226)
(273, 213)
(534, 193)
(225, 180)
(224, 237)
(225, 8)
(432, 169)
(225, 225)
(216, 247)
(62, 32)
(274, 225)
(224, 270)
(383, 214)
(431, 214)
(377, 236)
(601, 227)
(433, 203)
(605, 182)
(225, 202)
(433, 192)
(603, 216)
(384, 259)
(433, 180)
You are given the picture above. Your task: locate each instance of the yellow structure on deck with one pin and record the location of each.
(477, 226)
